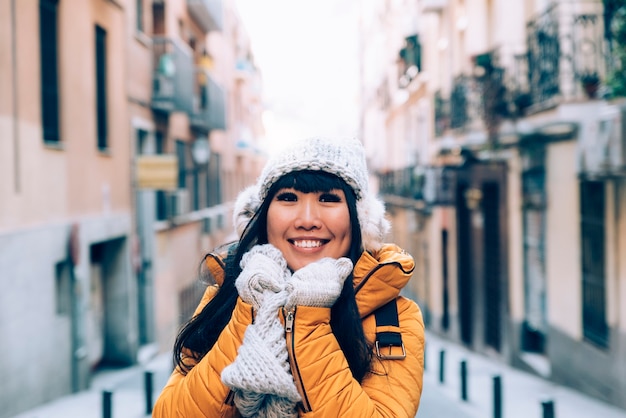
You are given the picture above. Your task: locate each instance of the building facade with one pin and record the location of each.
(65, 217)
(507, 175)
(127, 126)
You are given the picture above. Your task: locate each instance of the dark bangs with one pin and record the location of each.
(310, 181)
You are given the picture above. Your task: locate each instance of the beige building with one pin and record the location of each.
(206, 110)
(504, 174)
(122, 143)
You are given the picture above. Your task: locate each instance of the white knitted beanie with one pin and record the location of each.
(344, 158)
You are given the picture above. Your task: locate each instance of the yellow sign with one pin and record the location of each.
(159, 172)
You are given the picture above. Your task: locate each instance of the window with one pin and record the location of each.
(142, 141)
(592, 204)
(48, 38)
(101, 91)
(214, 192)
(161, 195)
(139, 14)
(181, 153)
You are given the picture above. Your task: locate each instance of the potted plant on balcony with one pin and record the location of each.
(616, 77)
(590, 82)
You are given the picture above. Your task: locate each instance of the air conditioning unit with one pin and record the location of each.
(602, 144)
(179, 202)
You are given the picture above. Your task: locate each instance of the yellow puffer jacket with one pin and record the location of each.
(392, 389)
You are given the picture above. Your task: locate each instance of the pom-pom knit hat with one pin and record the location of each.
(344, 158)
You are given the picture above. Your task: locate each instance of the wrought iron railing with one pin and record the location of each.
(459, 101)
(405, 182)
(410, 61)
(566, 52)
(442, 114)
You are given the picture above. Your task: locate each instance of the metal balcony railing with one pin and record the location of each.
(209, 110)
(410, 60)
(207, 13)
(431, 185)
(404, 182)
(566, 55)
(442, 114)
(459, 101)
(172, 88)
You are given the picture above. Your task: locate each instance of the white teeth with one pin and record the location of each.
(307, 244)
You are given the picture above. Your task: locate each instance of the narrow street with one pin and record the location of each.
(522, 393)
(436, 402)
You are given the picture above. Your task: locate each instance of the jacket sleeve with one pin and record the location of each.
(393, 387)
(200, 393)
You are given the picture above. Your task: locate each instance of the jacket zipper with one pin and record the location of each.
(230, 398)
(290, 317)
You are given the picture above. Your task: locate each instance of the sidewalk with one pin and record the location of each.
(128, 399)
(522, 393)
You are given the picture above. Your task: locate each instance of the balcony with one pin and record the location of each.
(429, 185)
(442, 114)
(410, 61)
(406, 182)
(208, 14)
(209, 110)
(565, 59)
(172, 83)
(459, 103)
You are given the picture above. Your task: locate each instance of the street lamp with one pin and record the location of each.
(200, 150)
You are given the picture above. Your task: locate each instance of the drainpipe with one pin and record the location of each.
(618, 194)
(16, 126)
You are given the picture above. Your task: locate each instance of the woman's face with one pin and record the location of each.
(306, 227)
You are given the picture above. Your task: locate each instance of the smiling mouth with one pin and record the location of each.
(308, 243)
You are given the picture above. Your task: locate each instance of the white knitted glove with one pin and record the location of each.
(264, 270)
(319, 283)
(260, 374)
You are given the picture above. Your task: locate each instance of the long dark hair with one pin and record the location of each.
(201, 332)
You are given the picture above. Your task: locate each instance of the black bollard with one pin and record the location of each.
(442, 360)
(464, 380)
(147, 385)
(497, 397)
(106, 403)
(548, 409)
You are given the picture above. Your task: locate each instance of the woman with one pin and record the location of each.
(290, 327)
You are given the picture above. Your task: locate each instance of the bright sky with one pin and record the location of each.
(307, 53)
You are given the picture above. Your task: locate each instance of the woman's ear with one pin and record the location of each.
(246, 205)
(374, 225)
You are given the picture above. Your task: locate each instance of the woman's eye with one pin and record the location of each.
(330, 197)
(286, 197)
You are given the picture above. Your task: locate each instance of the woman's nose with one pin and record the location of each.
(308, 214)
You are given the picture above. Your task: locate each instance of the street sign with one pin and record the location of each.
(158, 172)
